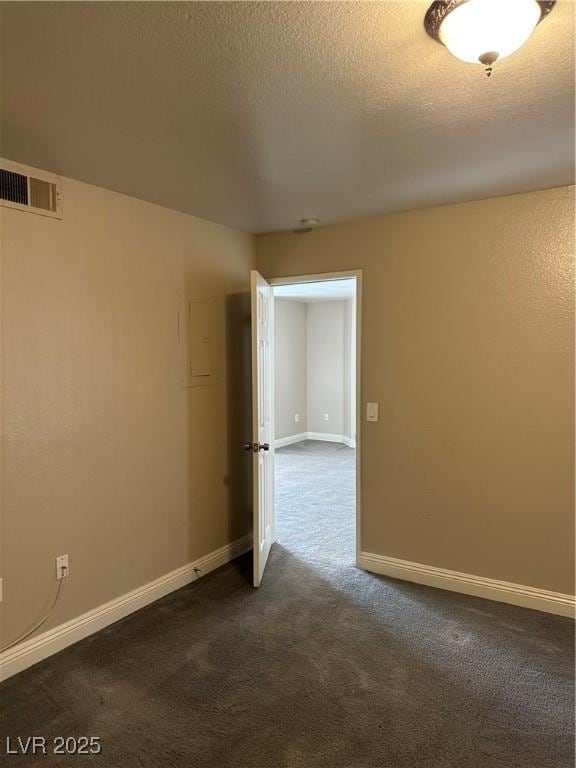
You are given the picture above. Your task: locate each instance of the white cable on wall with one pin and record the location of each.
(42, 621)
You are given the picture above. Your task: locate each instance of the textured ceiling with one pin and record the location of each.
(257, 115)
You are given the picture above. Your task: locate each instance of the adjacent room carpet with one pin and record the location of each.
(323, 666)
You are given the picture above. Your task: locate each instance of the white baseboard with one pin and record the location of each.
(466, 583)
(42, 646)
(327, 437)
(290, 440)
(330, 438)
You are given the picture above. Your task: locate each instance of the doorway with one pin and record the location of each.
(307, 469)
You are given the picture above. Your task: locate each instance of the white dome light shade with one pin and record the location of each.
(479, 27)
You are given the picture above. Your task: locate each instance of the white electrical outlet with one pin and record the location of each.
(325, 417)
(62, 567)
(296, 417)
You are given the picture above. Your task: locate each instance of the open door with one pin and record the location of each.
(262, 421)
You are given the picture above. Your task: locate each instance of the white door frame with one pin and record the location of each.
(323, 277)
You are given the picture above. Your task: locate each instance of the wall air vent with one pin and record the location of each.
(27, 189)
(13, 187)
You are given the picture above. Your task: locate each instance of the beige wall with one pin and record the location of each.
(349, 369)
(106, 456)
(468, 346)
(290, 362)
(326, 367)
(314, 367)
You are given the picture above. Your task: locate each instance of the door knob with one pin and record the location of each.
(264, 447)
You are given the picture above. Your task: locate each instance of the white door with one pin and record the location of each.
(262, 421)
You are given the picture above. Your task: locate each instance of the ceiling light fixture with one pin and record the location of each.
(484, 31)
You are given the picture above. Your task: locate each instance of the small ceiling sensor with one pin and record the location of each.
(306, 225)
(484, 31)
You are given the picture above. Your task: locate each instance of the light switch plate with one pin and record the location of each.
(371, 411)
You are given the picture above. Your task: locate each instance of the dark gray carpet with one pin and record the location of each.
(324, 665)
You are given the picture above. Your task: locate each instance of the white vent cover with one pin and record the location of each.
(27, 189)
